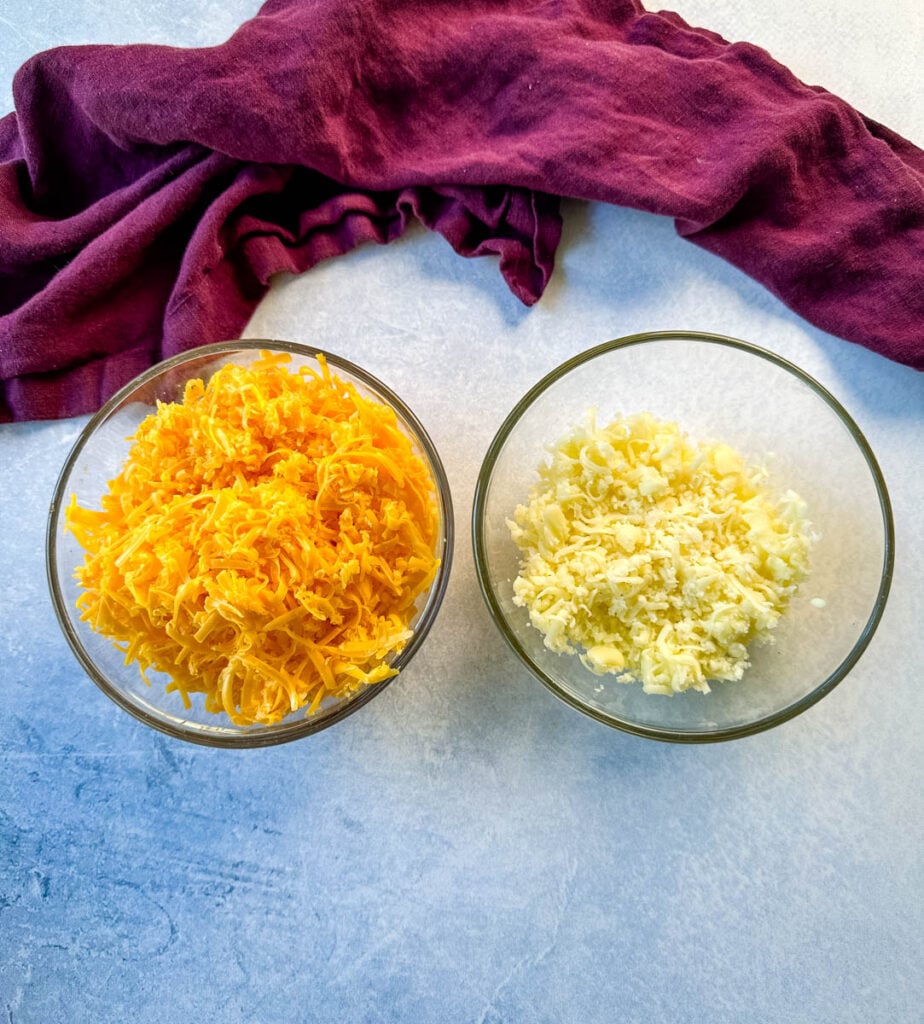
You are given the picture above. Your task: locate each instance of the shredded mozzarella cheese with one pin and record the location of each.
(656, 558)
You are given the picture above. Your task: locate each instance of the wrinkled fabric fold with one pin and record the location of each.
(148, 194)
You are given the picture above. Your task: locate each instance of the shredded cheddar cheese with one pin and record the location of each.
(656, 558)
(265, 542)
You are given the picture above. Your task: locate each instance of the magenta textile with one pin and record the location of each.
(148, 193)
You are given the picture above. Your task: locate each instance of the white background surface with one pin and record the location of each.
(467, 848)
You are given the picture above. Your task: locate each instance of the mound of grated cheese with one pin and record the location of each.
(265, 542)
(656, 558)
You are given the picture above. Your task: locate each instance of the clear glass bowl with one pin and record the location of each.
(98, 456)
(719, 389)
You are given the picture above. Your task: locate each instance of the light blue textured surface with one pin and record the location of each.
(466, 848)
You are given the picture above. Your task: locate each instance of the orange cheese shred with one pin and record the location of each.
(265, 543)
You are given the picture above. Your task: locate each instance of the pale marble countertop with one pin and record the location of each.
(468, 848)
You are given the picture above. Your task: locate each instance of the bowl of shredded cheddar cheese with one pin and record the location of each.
(684, 536)
(248, 542)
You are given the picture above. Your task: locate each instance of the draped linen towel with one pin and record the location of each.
(149, 193)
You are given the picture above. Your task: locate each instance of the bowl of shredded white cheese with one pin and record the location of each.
(683, 535)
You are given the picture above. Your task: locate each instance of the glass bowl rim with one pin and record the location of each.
(485, 476)
(282, 732)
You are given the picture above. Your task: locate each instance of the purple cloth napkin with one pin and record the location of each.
(147, 194)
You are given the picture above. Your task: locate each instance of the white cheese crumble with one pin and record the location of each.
(656, 558)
